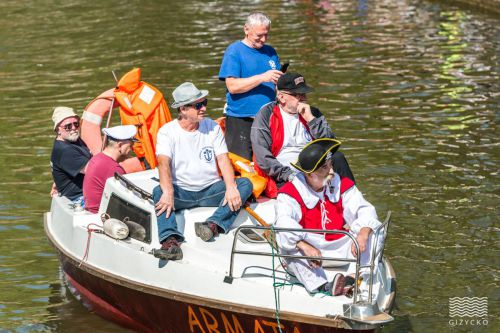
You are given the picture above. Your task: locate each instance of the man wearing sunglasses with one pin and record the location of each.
(282, 128)
(250, 69)
(118, 144)
(190, 150)
(69, 156)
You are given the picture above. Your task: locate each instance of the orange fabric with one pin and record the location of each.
(259, 183)
(142, 105)
(222, 123)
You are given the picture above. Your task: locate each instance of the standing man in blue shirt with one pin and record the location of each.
(250, 69)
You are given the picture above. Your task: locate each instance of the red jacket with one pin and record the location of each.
(278, 136)
(312, 218)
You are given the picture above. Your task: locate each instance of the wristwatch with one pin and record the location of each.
(291, 177)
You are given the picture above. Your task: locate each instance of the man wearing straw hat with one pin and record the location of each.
(191, 149)
(318, 198)
(69, 156)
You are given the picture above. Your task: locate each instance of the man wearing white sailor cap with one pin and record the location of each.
(119, 143)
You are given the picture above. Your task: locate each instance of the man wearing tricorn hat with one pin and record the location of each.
(283, 127)
(190, 149)
(69, 156)
(118, 144)
(316, 200)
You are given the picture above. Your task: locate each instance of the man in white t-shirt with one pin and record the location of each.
(189, 150)
(282, 128)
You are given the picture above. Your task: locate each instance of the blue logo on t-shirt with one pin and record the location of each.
(272, 64)
(207, 154)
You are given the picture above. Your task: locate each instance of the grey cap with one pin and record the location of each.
(187, 93)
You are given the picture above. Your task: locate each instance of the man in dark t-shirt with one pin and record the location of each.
(70, 155)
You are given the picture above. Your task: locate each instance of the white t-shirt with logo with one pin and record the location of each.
(193, 154)
(296, 137)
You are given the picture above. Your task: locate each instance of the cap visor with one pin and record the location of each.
(303, 90)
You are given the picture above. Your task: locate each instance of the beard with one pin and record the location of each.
(72, 137)
(323, 181)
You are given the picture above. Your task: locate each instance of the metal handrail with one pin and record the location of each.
(375, 253)
(384, 226)
(229, 278)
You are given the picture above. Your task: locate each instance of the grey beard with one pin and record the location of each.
(73, 137)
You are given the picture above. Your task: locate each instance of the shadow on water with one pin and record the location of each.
(410, 87)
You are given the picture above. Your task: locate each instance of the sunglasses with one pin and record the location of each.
(294, 94)
(68, 126)
(199, 105)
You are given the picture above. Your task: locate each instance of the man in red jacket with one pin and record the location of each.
(283, 127)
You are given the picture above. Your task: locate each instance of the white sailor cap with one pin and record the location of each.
(121, 133)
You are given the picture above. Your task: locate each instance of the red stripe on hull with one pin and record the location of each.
(145, 312)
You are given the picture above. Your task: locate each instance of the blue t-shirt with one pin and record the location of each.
(242, 61)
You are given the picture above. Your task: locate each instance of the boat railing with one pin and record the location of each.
(381, 230)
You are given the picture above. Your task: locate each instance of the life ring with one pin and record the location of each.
(92, 117)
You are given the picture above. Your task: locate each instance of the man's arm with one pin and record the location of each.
(309, 251)
(242, 85)
(260, 136)
(232, 196)
(360, 215)
(288, 215)
(318, 125)
(166, 202)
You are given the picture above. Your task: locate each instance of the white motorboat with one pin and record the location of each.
(233, 284)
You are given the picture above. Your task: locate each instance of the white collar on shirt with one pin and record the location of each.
(332, 190)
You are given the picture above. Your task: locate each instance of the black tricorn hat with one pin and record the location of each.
(314, 153)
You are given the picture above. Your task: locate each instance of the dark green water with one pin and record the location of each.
(410, 87)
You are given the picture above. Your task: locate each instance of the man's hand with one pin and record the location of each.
(362, 239)
(305, 111)
(53, 190)
(271, 75)
(232, 198)
(166, 203)
(310, 251)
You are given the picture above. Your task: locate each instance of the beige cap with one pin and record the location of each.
(61, 113)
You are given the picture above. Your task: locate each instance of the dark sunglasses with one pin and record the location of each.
(199, 105)
(294, 94)
(68, 126)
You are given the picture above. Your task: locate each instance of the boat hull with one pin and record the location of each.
(143, 310)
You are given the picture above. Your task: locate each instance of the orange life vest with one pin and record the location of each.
(244, 167)
(142, 105)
